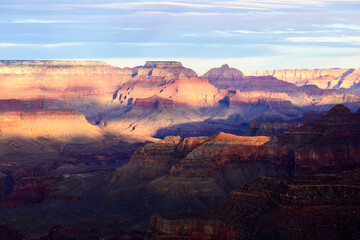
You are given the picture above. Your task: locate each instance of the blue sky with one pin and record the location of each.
(258, 34)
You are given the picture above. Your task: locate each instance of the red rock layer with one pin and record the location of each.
(212, 167)
(327, 144)
(272, 128)
(160, 228)
(310, 207)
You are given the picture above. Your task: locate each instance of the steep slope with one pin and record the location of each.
(323, 78)
(327, 144)
(151, 79)
(225, 77)
(309, 207)
(206, 174)
(147, 115)
(186, 175)
(313, 96)
(275, 127)
(86, 86)
(351, 80)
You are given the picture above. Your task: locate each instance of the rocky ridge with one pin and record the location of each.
(323, 78)
(307, 207)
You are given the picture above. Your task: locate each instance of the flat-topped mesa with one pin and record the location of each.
(51, 63)
(164, 71)
(163, 64)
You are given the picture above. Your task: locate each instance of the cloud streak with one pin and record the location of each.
(37, 45)
(40, 21)
(346, 39)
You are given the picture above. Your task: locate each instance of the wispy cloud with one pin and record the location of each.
(129, 29)
(193, 4)
(152, 44)
(344, 26)
(233, 5)
(38, 45)
(311, 50)
(40, 21)
(242, 32)
(167, 13)
(345, 39)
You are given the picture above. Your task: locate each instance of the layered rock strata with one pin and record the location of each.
(308, 207)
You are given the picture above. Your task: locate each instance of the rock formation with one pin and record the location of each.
(323, 78)
(326, 144)
(68, 127)
(204, 174)
(80, 85)
(308, 207)
(59, 124)
(351, 80)
(225, 78)
(113, 97)
(276, 127)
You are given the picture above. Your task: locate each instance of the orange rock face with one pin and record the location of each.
(62, 124)
(60, 79)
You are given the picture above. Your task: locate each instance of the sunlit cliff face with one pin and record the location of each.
(141, 100)
(58, 124)
(60, 79)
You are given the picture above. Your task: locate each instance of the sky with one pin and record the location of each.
(249, 35)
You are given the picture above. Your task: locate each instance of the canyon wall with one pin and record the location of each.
(323, 78)
(308, 207)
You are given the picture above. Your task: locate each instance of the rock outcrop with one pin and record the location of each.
(59, 124)
(203, 175)
(161, 228)
(225, 78)
(351, 80)
(86, 86)
(327, 144)
(167, 80)
(308, 207)
(323, 78)
(272, 128)
(117, 98)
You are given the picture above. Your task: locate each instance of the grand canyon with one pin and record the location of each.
(94, 151)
